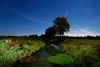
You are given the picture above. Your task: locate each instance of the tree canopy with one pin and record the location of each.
(60, 26)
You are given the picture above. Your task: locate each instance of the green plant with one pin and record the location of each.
(33, 45)
(3, 46)
(61, 59)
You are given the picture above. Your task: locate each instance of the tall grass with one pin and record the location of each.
(11, 52)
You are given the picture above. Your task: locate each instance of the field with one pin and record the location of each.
(85, 52)
(72, 52)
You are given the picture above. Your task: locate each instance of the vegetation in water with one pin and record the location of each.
(61, 59)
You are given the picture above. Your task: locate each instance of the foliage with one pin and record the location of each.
(62, 25)
(17, 52)
(61, 59)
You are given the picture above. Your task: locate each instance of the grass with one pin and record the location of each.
(17, 50)
(61, 59)
(85, 51)
(81, 52)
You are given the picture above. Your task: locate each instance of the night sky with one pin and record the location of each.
(24, 17)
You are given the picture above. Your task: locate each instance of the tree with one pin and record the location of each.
(61, 25)
(51, 31)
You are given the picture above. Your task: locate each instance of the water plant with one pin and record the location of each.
(61, 59)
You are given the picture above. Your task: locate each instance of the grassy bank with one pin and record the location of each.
(12, 50)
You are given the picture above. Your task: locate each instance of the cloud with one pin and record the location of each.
(81, 32)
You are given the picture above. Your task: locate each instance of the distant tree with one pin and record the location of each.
(51, 31)
(61, 25)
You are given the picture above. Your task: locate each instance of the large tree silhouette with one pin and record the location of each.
(62, 25)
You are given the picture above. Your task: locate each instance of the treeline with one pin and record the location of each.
(21, 37)
(48, 40)
(45, 36)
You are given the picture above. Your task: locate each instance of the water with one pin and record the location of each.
(43, 54)
(57, 48)
(42, 59)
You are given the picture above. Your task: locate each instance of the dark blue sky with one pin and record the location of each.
(23, 17)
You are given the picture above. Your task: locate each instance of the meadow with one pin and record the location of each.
(70, 52)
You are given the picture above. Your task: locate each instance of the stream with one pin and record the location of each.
(42, 56)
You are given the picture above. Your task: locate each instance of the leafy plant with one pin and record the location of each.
(61, 59)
